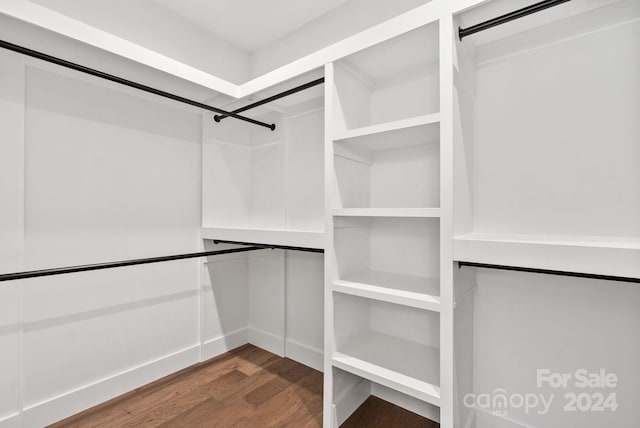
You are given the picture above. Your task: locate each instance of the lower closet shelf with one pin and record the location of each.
(414, 299)
(416, 291)
(402, 365)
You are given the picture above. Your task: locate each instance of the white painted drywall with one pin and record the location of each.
(304, 192)
(224, 279)
(525, 322)
(11, 228)
(108, 175)
(344, 21)
(556, 140)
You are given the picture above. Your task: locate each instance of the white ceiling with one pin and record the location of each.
(250, 24)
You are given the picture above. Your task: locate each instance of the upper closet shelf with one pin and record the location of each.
(615, 256)
(288, 237)
(398, 133)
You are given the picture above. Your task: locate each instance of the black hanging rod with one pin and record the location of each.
(122, 263)
(219, 117)
(550, 272)
(271, 246)
(97, 73)
(534, 8)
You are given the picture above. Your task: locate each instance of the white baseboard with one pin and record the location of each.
(214, 347)
(349, 401)
(62, 406)
(267, 341)
(485, 419)
(304, 354)
(57, 408)
(414, 405)
(11, 421)
(70, 403)
(297, 351)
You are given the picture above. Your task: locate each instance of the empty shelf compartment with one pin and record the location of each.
(397, 254)
(393, 80)
(395, 346)
(394, 169)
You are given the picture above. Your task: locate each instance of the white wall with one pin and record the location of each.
(305, 174)
(562, 121)
(304, 305)
(525, 322)
(224, 279)
(344, 21)
(11, 228)
(109, 174)
(156, 28)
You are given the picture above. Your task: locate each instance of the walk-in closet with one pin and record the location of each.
(336, 213)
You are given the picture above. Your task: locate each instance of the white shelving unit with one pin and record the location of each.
(516, 147)
(383, 215)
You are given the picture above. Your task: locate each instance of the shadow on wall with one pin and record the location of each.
(225, 279)
(104, 311)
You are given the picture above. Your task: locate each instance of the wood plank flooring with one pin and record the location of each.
(246, 387)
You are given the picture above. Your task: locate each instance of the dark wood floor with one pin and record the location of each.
(378, 413)
(247, 387)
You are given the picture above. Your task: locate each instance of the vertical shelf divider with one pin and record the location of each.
(329, 418)
(446, 221)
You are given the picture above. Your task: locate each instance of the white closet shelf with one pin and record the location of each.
(616, 256)
(402, 365)
(410, 290)
(387, 212)
(397, 281)
(390, 135)
(400, 297)
(289, 237)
